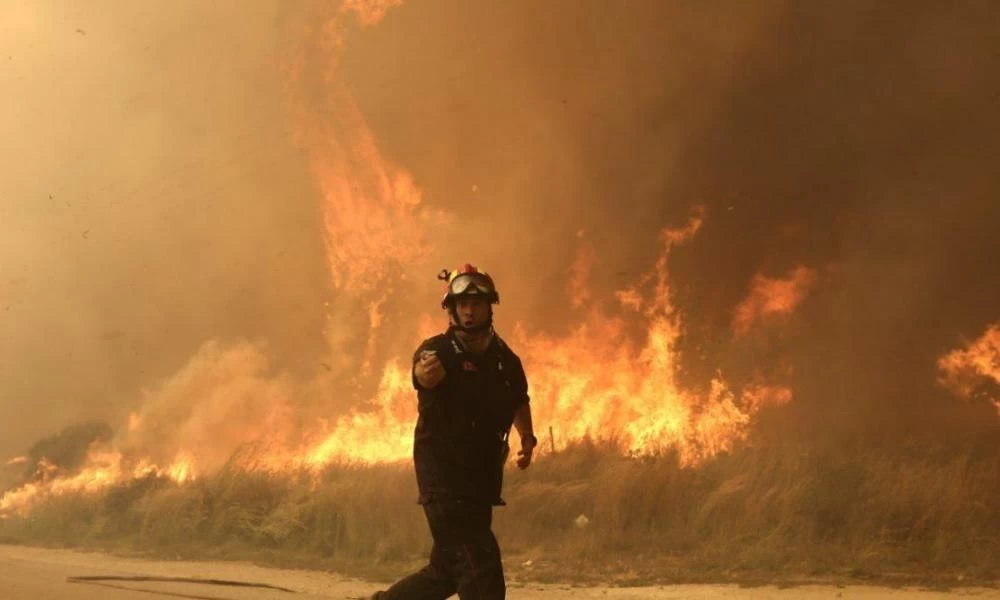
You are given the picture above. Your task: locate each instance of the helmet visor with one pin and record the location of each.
(470, 283)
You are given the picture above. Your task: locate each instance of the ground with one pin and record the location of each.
(31, 573)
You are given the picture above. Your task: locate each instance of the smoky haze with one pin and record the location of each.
(150, 200)
(856, 140)
(153, 198)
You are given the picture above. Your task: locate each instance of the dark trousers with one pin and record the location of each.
(465, 558)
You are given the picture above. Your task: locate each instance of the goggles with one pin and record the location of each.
(470, 283)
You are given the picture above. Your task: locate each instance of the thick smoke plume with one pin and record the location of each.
(169, 193)
(847, 147)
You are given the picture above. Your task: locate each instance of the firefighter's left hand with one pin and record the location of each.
(524, 454)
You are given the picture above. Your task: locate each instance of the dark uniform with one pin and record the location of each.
(459, 449)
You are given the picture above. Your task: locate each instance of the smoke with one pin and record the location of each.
(854, 141)
(159, 201)
(222, 400)
(151, 201)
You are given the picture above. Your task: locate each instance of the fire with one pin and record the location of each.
(600, 381)
(596, 382)
(382, 435)
(181, 470)
(372, 211)
(972, 370)
(103, 468)
(370, 12)
(772, 297)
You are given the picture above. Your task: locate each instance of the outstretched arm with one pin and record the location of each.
(428, 369)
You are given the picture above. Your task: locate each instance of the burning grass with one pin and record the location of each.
(777, 512)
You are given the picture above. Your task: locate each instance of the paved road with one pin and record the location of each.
(41, 574)
(37, 573)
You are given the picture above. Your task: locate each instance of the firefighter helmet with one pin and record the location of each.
(467, 280)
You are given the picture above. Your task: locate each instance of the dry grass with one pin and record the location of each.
(780, 512)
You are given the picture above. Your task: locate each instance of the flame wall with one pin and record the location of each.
(295, 176)
(845, 147)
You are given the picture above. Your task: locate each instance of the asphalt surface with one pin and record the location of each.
(43, 574)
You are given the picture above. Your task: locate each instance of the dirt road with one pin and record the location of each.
(35, 573)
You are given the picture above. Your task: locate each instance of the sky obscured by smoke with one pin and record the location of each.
(150, 200)
(851, 139)
(153, 199)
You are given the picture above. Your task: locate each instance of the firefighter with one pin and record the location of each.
(471, 389)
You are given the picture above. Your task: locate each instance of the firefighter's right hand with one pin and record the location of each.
(429, 370)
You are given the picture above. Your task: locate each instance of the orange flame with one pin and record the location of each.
(598, 383)
(102, 468)
(966, 370)
(370, 12)
(769, 297)
(374, 221)
(601, 380)
(226, 399)
(381, 435)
